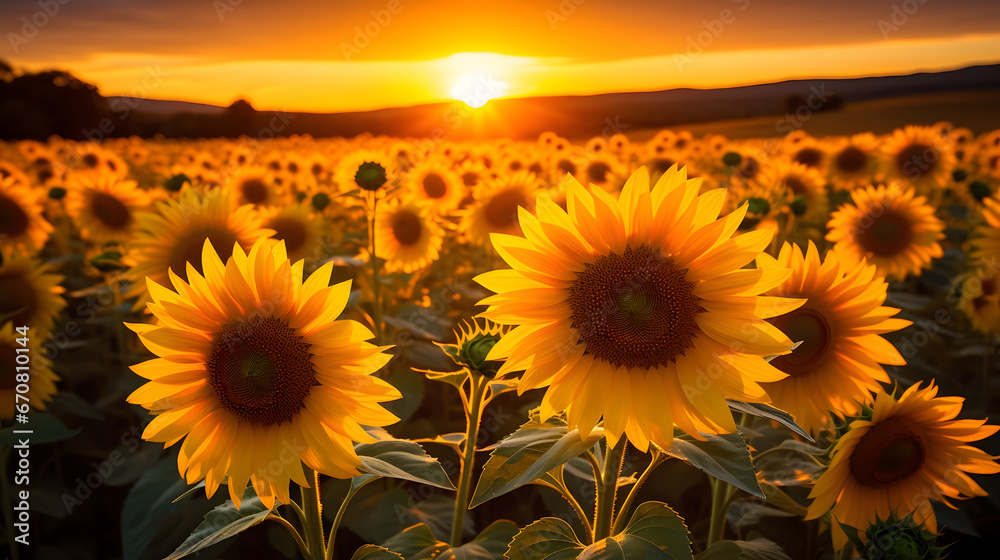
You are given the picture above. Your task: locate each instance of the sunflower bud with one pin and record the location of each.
(959, 175)
(979, 190)
(176, 182)
(56, 193)
(799, 206)
(370, 176)
(732, 159)
(896, 539)
(320, 201)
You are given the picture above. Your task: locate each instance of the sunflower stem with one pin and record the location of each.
(478, 389)
(607, 489)
(376, 282)
(313, 509)
(720, 503)
(340, 516)
(619, 524)
(291, 529)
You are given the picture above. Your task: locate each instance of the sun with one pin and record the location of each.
(476, 89)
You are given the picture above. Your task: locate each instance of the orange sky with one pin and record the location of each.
(320, 56)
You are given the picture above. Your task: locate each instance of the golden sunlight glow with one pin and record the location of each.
(476, 89)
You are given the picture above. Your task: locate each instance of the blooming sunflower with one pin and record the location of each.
(296, 226)
(496, 206)
(980, 301)
(920, 155)
(103, 206)
(908, 453)
(173, 235)
(636, 309)
(603, 170)
(29, 294)
(41, 380)
(839, 326)
(256, 186)
(257, 376)
(889, 227)
(22, 225)
(802, 188)
(433, 181)
(407, 236)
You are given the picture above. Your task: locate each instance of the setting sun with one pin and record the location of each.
(476, 89)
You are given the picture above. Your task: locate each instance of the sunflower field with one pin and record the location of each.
(410, 348)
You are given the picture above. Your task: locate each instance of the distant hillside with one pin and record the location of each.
(525, 118)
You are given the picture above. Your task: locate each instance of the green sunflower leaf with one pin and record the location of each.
(223, 522)
(757, 549)
(526, 455)
(725, 457)
(771, 413)
(375, 552)
(402, 459)
(655, 532)
(549, 538)
(418, 543)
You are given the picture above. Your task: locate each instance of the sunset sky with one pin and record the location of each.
(322, 56)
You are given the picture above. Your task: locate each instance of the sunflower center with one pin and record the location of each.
(748, 168)
(110, 211)
(370, 176)
(189, 249)
(406, 228)
(260, 370)
(8, 355)
(292, 232)
(501, 210)
(434, 186)
(809, 157)
(566, 166)
(90, 160)
(598, 172)
(662, 165)
(795, 185)
(888, 234)
(18, 300)
(889, 452)
(13, 219)
(470, 178)
(851, 160)
(254, 191)
(810, 327)
(916, 160)
(636, 309)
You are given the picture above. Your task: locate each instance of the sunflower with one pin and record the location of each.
(367, 170)
(802, 188)
(920, 155)
(986, 243)
(29, 294)
(496, 206)
(980, 301)
(22, 225)
(433, 181)
(840, 327)
(172, 236)
(908, 453)
(256, 186)
(889, 227)
(40, 379)
(297, 227)
(636, 309)
(103, 206)
(407, 236)
(603, 170)
(257, 376)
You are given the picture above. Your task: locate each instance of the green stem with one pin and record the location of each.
(313, 510)
(607, 489)
(479, 384)
(623, 514)
(340, 516)
(295, 534)
(8, 506)
(376, 282)
(720, 503)
(578, 509)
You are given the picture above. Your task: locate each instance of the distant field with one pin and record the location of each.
(977, 110)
